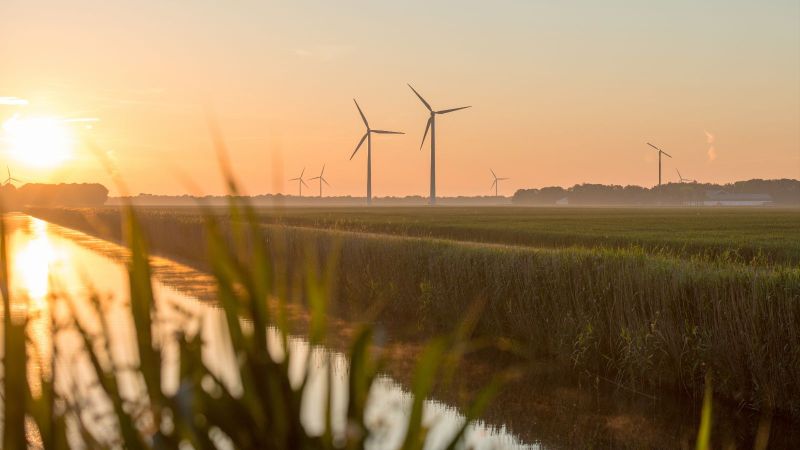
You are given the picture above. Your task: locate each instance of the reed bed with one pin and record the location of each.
(647, 320)
(114, 402)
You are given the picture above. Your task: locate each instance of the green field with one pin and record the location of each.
(745, 234)
(653, 298)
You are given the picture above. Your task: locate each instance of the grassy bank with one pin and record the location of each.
(646, 320)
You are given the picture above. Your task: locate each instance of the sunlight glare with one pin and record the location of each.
(33, 262)
(40, 142)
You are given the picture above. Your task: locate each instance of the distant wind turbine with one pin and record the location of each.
(432, 127)
(300, 182)
(496, 182)
(10, 178)
(368, 137)
(321, 180)
(660, 152)
(684, 180)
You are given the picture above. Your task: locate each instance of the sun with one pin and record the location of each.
(42, 142)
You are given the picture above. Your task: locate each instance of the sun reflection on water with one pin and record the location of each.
(32, 264)
(33, 257)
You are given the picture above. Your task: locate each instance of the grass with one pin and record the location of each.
(649, 320)
(767, 234)
(761, 236)
(261, 409)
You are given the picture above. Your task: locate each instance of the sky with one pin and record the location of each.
(562, 92)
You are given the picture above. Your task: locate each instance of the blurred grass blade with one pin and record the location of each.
(704, 432)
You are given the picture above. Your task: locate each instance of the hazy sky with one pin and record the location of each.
(562, 91)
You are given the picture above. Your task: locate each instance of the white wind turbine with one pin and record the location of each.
(10, 179)
(368, 137)
(432, 127)
(496, 182)
(660, 152)
(300, 181)
(684, 180)
(321, 179)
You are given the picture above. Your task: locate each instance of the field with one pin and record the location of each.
(652, 298)
(746, 235)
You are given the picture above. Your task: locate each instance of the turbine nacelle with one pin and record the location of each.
(369, 130)
(433, 114)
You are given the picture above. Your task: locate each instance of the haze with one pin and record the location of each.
(562, 92)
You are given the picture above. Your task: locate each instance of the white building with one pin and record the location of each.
(722, 198)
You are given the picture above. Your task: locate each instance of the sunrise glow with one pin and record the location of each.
(39, 142)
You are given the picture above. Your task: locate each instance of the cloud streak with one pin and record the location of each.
(13, 101)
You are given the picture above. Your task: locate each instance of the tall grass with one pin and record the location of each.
(261, 409)
(650, 322)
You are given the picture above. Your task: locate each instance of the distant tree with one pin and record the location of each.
(782, 191)
(62, 194)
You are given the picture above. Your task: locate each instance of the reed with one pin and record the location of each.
(649, 321)
(127, 404)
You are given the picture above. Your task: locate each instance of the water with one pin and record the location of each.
(543, 410)
(50, 262)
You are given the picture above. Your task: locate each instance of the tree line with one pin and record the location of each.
(782, 192)
(62, 194)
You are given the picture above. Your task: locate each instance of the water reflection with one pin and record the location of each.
(51, 264)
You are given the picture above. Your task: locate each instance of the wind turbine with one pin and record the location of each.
(495, 183)
(300, 182)
(321, 180)
(660, 152)
(10, 178)
(368, 137)
(682, 180)
(432, 127)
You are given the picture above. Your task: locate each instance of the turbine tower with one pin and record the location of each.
(432, 127)
(496, 182)
(368, 137)
(660, 152)
(321, 180)
(10, 178)
(300, 182)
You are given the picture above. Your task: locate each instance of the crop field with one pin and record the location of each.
(611, 292)
(748, 235)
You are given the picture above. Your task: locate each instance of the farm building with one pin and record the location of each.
(722, 198)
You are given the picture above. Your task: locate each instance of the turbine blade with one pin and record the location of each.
(323, 170)
(425, 135)
(662, 151)
(421, 99)
(386, 132)
(325, 181)
(293, 179)
(315, 178)
(493, 174)
(364, 118)
(304, 183)
(493, 183)
(445, 111)
(651, 145)
(679, 174)
(302, 172)
(501, 179)
(360, 143)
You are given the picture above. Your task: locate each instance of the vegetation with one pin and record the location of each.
(646, 318)
(62, 194)
(119, 404)
(750, 236)
(781, 192)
